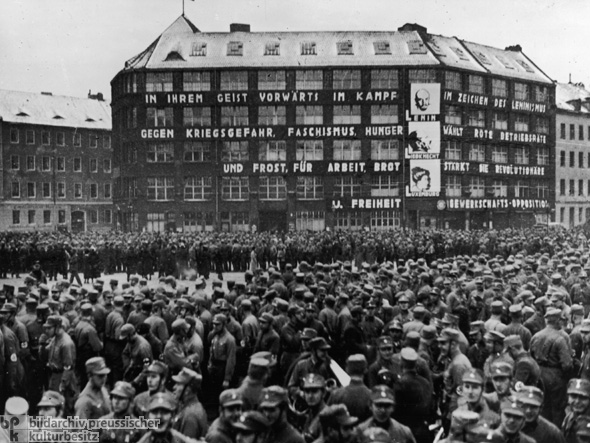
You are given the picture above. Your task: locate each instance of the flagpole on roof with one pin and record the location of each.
(183, 8)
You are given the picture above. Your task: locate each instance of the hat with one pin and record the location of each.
(162, 400)
(495, 336)
(512, 408)
(181, 324)
(16, 406)
(450, 319)
(428, 332)
(123, 389)
(273, 396)
(337, 415)
(127, 330)
(585, 327)
(313, 381)
(501, 368)
(267, 318)
(8, 307)
(319, 343)
(577, 309)
(382, 394)
(579, 386)
(97, 365)
(385, 340)
(230, 397)
(409, 354)
(51, 399)
(375, 435)
(472, 376)
(530, 395)
(395, 325)
(553, 313)
(158, 367)
(52, 321)
(251, 421)
(448, 334)
(356, 364)
(187, 376)
(308, 334)
(512, 340)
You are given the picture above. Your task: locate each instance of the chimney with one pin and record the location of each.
(413, 27)
(98, 96)
(239, 27)
(514, 48)
(46, 93)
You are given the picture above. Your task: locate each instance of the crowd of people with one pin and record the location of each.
(352, 337)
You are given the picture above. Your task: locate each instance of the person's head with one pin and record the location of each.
(250, 427)
(585, 331)
(448, 341)
(513, 345)
(356, 366)
(266, 321)
(472, 386)
(97, 372)
(553, 317)
(51, 404)
(404, 303)
(121, 397)
(162, 407)
(530, 400)
(319, 348)
(382, 403)
(501, 376)
(462, 421)
(512, 418)
(421, 178)
(337, 424)
(273, 404)
(128, 333)
(156, 374)
(385, 348)
(52, 325)
(230, 405)
(180, 329)
(494, 341)
(314, 389)
(186, 384)
(578, 395)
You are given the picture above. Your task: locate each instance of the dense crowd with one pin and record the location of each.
(404, 336)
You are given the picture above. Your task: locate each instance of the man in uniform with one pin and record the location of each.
(191, 419)
(530, 400)
(526, 369)
(314, 391)
(230, 409)
(274, 406)
(501, 375)
(88, 344)
(93, 401)
(13, 369)
(268, 339)
(137, 353)
(471, 399)
(578, 408)
(338, 426)
(113, 345)
(161, 408)
(156, 376)
(254, 382)
(175, 354)
(222, 358)
(510, 429)
(121, 398)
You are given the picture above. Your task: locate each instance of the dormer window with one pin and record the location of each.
(199, 49)
(437, 49)
(504, 61)
(482, 58)
(526, 66)
(308, 48)
(460, 53)
(273, 48)
(382, 48)
(174, 56)
(235, 48)
(416, 47)
(345, 48)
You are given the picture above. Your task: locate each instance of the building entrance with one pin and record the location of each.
(273, 221)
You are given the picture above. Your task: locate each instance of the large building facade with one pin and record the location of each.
(56, 162)
(572, 177)
(352, 130)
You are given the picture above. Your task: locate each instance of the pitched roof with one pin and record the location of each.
(572, 97)
(54, 110)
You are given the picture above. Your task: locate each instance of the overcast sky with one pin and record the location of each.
(71, 46)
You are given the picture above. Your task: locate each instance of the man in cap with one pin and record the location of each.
(156, 321)
(338, 426)
(501, 376)
(156, 375)
(382, 409)
(530, 400)
(580, 292)
(313, 387)
(113, 345)
(356, 396)
(250, 427)
(526, 369)
(353, 337)
(516, 328)
(93, 401)
(318, 362)
(191, 419)
(51, 405)
(230, 410)
(462, 423)
(162, 407)
(471, 398)
(551, 349)
(14, 374)
(290, 336)
(175, 353)
(121, 397)
(512, 422)
(88, 344)
(267, 339)
(403, 300)
(494, 341)
(578, 408)
(254, 382)
(137, 354)
(385, 352)
(250, 327)
(222, 358)
(274, 404)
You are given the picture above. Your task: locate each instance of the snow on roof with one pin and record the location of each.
(54, 110)
(451, 52)
(572, 97)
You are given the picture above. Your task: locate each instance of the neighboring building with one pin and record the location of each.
(57, 162)
(314, 130)
(572, 155)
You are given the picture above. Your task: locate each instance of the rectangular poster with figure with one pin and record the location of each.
(424, 178)
(425, 99)
(423, 140)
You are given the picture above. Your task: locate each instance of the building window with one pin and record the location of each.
(500, 188)
(309, 150)
(348, 220)
(31, 216)
(271, 80)
(270, 151)
(562, 131)
(160, 152)
(346, 79)
(345, 48)
(477, 152)
(541, 94)
(476, 117)
(477, 187)
(453, 115)
(130, 85)
(60, 139)
(453, 186)
(453, 150)
(384, 186)
(14, 162)
(384, 79)
(521, 91)
(542, 125)
(542, 156)
(572, 132)
(500, 120)
(106, 165)
(156, 222)
(45, 138)
(580, 132)
(196, 116)
(234, 151)
(499, 154)
(310, 221)
(580, 188)
(108, 216)
(384, 114)
(46, 190)
(197, 152)
(572, 159)
(16, 217)
(93, 165)
(572, 187)
(521, 189)
(347, 186)
(310, 188)
(580, 159)
(236, 221)
(197, 188)
(61, 190)
(160, 188)
(562, 215)
(158, 117)
(93, 190)
(476, 84)
(198, 222)
(272, 188)
(196, 81)
(272, 115)
(562, 159)
(422, 76)
(234, 116)
(309, 115)
(107, 188)
(14, 135)
(77, 140)
(15, 189)
(77, 164)
(158, 82)
(234, 188)
(61, 164)
(31, 190)
(235, 49)
(347, 114)
(453, 80)
(30, 162)
(499, 88)
(234, 80)
(385, 150)
(521, 155)
(45, 164)
(308, 48)
(309, 79)
(521, 123)
(385, 220)
(540, 189)
(30, 137)
(347, 150)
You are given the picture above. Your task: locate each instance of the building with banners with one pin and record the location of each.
(56, 156)
(313, 130)
(572, 154)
